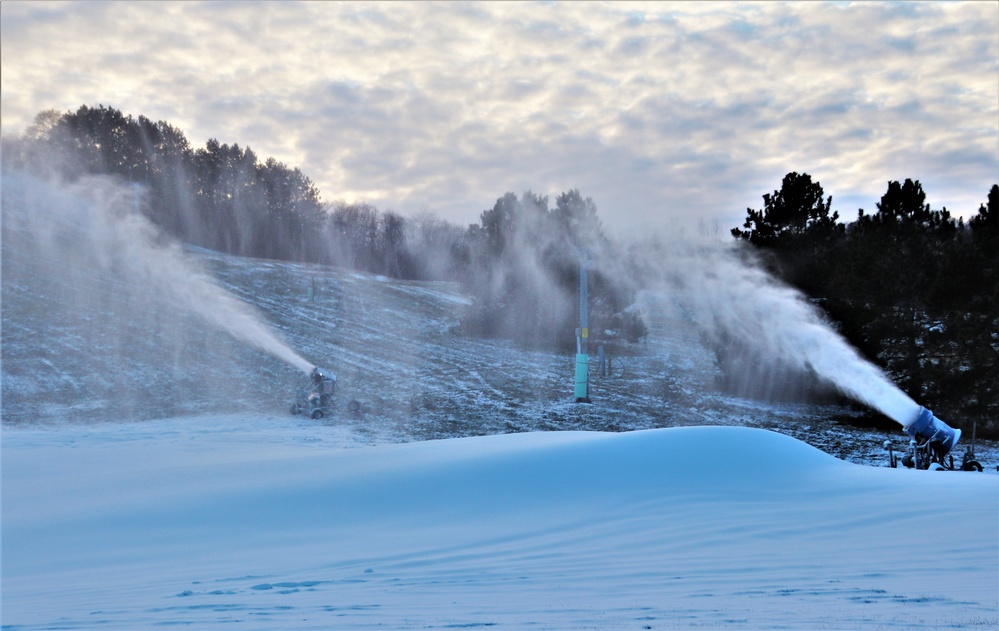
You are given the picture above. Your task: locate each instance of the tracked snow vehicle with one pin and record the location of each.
(316, 400)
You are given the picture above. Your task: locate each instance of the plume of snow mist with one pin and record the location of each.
(94, 223)
(734, 301)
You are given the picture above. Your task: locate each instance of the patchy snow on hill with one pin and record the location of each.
(89, 334)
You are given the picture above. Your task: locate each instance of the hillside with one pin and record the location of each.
(153, 476)
(85, 340)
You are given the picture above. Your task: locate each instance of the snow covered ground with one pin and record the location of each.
(151, 475)
(265, 522)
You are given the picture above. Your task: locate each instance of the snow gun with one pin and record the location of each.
(931, 441)
(940, 436)
(316, 400)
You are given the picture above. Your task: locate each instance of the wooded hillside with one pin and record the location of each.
(916, 290)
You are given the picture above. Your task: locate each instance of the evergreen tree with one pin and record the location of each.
(986, 222)
(915, 290)
(794, 210)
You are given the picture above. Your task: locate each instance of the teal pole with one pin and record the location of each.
(582, 336)
(582, 378)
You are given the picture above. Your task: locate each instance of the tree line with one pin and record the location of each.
(916, 290)
(520, 263)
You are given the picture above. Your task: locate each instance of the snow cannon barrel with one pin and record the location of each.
(318, 375)
(942, 437)
(317, 399)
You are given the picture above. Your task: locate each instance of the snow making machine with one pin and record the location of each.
(931, 442)
(316, 400)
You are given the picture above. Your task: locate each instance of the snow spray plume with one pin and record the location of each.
(734, 301)
(97, 216)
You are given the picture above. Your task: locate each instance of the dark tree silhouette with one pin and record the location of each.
(797, 208)
(914, 289)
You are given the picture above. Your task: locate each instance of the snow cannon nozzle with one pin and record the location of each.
(319, 375)
(941, 437)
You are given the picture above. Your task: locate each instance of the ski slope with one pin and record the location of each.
(273, 523)
(152, 477)
(101, 322)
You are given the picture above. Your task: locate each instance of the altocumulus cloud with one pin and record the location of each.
(661, 112)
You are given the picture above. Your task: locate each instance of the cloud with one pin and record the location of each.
(660, 112)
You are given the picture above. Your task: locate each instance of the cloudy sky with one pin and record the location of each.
(662, 112)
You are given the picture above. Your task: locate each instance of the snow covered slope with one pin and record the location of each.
(86, 338)
(153, 477)
(258, 523)
(79, 344)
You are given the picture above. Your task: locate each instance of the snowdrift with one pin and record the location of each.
(263, 523)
